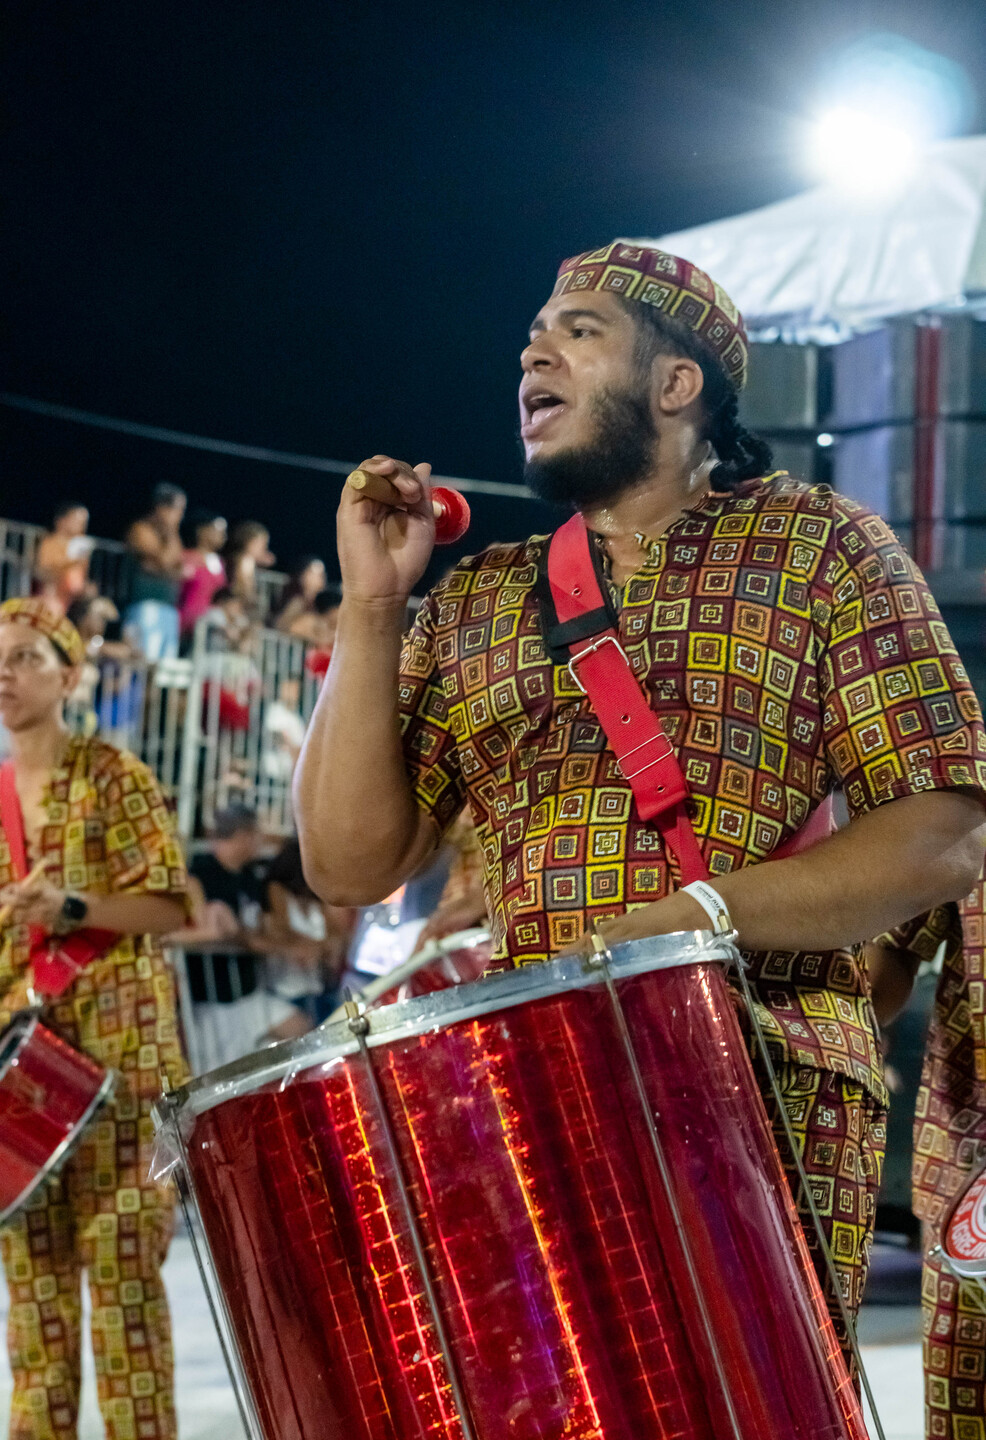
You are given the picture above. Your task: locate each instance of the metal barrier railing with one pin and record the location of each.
(18, 555)
(227, 1003)
(245, 719)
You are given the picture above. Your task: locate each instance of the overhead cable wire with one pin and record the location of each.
(231, 447)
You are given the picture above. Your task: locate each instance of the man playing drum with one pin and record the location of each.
(96, 817)
(779, 631)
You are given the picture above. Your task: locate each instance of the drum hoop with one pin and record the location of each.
(24, 1022)
(62, 1151)
(963, 1269)
(423, 1014)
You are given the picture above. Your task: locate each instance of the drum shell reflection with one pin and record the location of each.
(48, 1092)
(560, 1279)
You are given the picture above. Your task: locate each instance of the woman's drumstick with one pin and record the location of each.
(35, 874)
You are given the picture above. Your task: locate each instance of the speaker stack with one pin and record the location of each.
(900, 412)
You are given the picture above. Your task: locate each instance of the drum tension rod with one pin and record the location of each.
(806, 1190)
(224, 1327)
(359, 1025)
(599, 959)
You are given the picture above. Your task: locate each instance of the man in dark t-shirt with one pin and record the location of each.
(234, 1013)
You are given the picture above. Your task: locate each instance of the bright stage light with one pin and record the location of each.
(881, 101)
(862, 152)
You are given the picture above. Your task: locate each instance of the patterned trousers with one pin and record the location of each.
(954, 1356)
(842, 1133)
(86, 1220)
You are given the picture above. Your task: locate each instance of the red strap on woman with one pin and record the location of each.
(56, 960)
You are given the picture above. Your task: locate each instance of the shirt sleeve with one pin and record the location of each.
(143, 852)
(923, 935)
(899, 713)
(430, 751)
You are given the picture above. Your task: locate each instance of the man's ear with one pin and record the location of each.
(678, 383)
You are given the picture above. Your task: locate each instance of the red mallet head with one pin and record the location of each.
(452, 515)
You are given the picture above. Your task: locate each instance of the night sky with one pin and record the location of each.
(324, 227)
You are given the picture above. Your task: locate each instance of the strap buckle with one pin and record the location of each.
(658, 759)
(589, 650)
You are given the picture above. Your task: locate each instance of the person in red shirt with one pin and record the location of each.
(203, 571)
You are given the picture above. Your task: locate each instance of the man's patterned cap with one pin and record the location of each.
(676, 286)
(61, 632)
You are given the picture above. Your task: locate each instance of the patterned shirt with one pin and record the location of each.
(108, 831)
(788, 644)
(950, 1116)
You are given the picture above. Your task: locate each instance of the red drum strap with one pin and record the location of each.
(600, 666)
(12, 821)
(646, 757)
(56, 960)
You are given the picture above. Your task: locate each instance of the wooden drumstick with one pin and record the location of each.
(375, 487)
(450, 509)
(29, 879)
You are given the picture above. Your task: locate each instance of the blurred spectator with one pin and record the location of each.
(232, 677)
(248, 549)
(203, 572)
(61, 567)
(92, 616)
(151, 619)
(297, 603)
(284, 731)
(314, 937)
(321, 632)
(224, 943)
(231, 621)
(109, 696)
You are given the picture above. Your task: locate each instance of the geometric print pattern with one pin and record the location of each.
(788, 644)
(64, 1230)
(842, 1134)
(949, 1144)
(676, 286)
(950, 1117)
(954, 1356)
(108, 829)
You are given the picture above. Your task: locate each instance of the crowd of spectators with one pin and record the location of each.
(264, 958)
(182, 565)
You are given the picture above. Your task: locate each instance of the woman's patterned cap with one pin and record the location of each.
(40, 616)
(676, 286)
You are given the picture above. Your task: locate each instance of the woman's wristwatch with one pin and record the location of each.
(72, 914)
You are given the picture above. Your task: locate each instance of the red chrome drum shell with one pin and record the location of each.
(561, 1283)
(964, 1232)
(48, 1093)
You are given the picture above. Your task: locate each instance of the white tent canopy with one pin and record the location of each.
(829, 261)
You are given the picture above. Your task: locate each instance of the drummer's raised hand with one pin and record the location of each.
(384, 547)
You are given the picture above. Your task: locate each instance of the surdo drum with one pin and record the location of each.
(49, 1092)
(545, 1206)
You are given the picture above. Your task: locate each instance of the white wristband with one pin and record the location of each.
(713, 904)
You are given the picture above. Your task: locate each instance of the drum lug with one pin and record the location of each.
(358, 1023)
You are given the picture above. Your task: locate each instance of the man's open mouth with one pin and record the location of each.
(540, 407)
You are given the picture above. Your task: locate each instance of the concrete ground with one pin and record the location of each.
(207, 1410)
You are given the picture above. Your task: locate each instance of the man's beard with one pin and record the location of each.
(620, 454)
